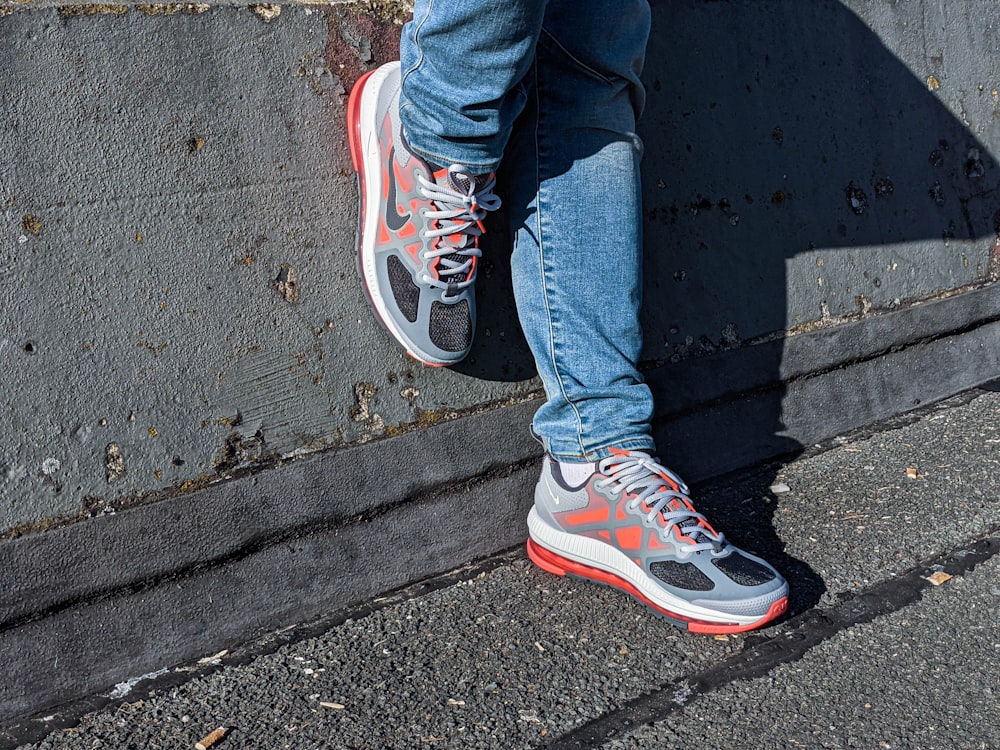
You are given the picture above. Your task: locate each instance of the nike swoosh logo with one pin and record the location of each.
(566, 500)
(552, 496)
(393, 219)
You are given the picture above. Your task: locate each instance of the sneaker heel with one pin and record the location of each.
(545, 559)
(353, 119)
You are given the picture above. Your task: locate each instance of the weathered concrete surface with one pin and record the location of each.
(810, 160)
(161, 171)
(123, 593)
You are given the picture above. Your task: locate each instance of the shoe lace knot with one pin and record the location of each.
(663, 496)
(461, 201)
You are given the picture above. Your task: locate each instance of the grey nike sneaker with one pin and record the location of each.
(631, 525)
(418, 242)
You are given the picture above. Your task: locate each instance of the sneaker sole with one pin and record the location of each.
(366, 159)
(692, 618)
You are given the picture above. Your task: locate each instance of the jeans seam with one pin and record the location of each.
(542, 272)
(576, 60)
(416, 43)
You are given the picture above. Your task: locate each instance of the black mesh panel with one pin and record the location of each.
(681, 575)
(451, 326)
(743, 570)
(404, 291)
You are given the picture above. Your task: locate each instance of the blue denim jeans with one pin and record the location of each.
(552, 89)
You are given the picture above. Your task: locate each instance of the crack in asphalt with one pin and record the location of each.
(762, 654)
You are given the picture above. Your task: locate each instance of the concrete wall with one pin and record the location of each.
(161, 174)
(807, 161)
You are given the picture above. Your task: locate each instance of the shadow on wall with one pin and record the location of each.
(787, 130)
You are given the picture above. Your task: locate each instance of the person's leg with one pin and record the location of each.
(604, 509)
(426, 136)
(576, 205)
(462, 69)
(622, 518)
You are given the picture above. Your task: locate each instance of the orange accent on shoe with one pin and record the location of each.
(547, 562)
(414, 357)
(710, 628)
(354, 120)
(554, 563)
(383, 233)
(589, 515)
(629, 538)
(404, 178)
(669, 482)
(654, 542)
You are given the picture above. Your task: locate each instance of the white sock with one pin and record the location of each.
(575, 474)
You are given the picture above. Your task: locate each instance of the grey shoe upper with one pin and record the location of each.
(421, 241)
(650, 518)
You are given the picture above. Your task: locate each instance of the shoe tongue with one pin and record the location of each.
(460, 182)
(692, 527)
(677, 504)
(457, 278)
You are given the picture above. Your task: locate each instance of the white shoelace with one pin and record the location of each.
(458, 213)
(639, 473)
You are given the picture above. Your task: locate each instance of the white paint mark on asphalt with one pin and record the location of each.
(124, 688)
